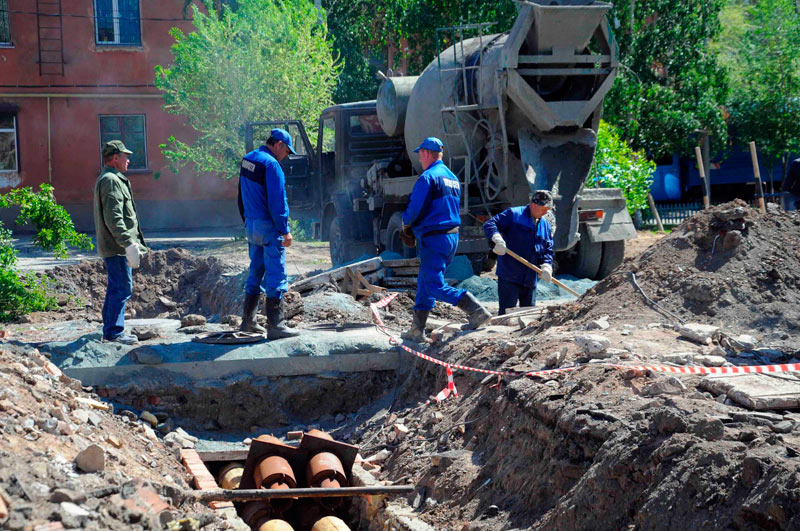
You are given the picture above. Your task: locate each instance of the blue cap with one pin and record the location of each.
(283, 136)
(431, 144)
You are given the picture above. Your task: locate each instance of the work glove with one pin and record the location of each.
(499, 245)
(133, 254)
(407, 237)
(547, 272)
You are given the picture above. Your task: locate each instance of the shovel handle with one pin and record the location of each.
(521, 260)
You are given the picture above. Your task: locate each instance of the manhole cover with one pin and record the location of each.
(228, 337)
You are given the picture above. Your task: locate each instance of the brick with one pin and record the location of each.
(217, 505)
(50, 526)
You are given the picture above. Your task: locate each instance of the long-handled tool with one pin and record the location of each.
(521, 260)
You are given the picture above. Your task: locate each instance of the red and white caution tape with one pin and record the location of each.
(451, 388)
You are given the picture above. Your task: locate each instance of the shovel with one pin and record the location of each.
(521, 260)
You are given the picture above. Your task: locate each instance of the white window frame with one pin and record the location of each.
(16, 145)
(144, 132)
(115, 21)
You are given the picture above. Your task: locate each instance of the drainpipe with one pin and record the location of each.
(49, 151)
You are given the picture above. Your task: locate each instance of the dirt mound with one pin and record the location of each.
(169, 284)
(730, 266)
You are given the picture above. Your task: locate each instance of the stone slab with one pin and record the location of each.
(97, 363)
(756, 391)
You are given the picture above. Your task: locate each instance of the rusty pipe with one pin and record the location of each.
(275, 473)
(253, 511)
(210, 495)
(325, 471)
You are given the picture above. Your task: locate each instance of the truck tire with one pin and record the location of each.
(613, 254)
(393, 242)
(343, 249)
(589, 256)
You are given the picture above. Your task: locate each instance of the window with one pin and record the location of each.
(365, 124)
(131, 130)
(117, 22)
(328, 135)
(5, 30)
(8, 143)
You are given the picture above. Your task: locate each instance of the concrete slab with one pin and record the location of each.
(756, 391)
(176, 357)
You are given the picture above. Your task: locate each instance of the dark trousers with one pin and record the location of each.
(120, 289)
(508, 293)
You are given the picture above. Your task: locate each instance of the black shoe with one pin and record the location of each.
(249, 323)
(476, 313)
(417, 331)
(277, 328)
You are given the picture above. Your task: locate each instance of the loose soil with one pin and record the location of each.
(593, 448)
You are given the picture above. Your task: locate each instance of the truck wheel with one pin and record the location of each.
(589, 256)
(393, 242)
(343, 249)
(613, 253)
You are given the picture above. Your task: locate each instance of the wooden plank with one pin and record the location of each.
(335, 275)
(224, 455)
(402, 262)
(405, 271)
(410, 282)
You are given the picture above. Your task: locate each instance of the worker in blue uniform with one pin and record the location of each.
(524, 231)
(265, 212)
(432, 215)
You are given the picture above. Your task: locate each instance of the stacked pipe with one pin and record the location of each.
(272, 464)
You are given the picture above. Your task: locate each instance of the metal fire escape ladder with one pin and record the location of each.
(468, 117)
(50, 32)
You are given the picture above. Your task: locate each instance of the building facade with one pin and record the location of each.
(76, 73)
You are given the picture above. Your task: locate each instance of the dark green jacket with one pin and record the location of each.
(115, 221)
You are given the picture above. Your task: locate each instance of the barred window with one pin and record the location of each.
(117, 22)
(130, 128)
(9, 157)
(5, 30)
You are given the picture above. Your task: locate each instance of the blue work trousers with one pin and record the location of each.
(791, 201)
(119, 290)
(508, 293)
(436, 253)
(267, 260)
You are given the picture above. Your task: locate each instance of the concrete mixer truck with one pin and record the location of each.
(517, 112)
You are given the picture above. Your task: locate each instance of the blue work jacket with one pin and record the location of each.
(532, 241)
(262, 191)
(434, 201)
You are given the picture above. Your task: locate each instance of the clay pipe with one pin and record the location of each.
(521, 260)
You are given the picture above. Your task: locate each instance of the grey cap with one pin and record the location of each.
(542, 198)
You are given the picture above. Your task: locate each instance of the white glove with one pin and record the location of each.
(547, 272)
(133, 255)
(499, 244)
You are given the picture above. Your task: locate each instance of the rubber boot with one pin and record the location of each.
(417, 331)
(476, 313)
(249, 323)
(277, 329)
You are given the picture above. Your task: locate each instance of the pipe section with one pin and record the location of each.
(330, 523)
(231, 475)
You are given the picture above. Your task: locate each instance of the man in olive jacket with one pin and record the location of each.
(119, 240)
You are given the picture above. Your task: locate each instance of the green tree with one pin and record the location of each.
(616, 165)
(21, 293)
(670, 83)
(765, 79)
(363, 31)
(262, 60)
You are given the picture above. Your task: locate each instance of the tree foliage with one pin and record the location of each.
(262, 60)
(670, 84)
(363, 31)
(21, 293)
(765, 78)
(616, 165)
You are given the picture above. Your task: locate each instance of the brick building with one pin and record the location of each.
(76, 73)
